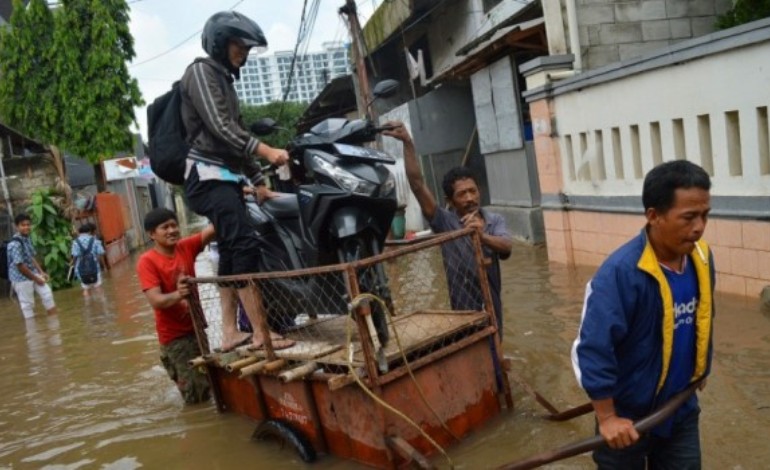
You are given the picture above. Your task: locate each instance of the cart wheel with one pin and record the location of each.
(285, 434)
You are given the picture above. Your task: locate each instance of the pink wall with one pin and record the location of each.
(741, 248)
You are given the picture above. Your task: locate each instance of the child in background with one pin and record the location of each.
(87, 245)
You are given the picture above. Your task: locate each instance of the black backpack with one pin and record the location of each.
(87, 267)
(168, 140)
(168, 146)
(4, 256)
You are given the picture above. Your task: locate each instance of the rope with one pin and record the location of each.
(408, 367)
(379, 400)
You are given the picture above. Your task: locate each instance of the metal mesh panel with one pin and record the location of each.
(372, 315)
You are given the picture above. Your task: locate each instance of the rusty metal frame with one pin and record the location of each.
(341, 267)
(349, 270)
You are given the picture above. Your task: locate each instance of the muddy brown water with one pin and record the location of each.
(85, 390)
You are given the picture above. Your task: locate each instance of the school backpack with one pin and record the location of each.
(87, 267)
(4, 256)
(168, 145)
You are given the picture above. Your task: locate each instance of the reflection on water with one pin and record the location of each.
(85, 389)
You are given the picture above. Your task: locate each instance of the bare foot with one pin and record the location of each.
(229, 343)
(279, 342)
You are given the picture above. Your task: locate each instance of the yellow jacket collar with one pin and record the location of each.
(648, 262)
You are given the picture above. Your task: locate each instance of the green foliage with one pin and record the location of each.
(291, 114)
(65, 78)
(26, 53)
(93, 44)
(744, 11)
(51, 237)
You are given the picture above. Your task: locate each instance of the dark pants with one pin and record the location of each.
(222, 203)
(681, 451)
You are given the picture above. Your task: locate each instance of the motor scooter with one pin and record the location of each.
(341, 212)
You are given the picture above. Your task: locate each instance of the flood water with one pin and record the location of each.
(85, 390)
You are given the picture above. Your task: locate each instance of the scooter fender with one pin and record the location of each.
(348, 221)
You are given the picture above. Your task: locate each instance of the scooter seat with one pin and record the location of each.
(283, 206)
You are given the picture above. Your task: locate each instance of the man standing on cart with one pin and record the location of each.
(223, 157)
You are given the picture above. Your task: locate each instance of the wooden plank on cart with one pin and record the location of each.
(415, 331)
(300, 351)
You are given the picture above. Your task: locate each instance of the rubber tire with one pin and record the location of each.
(286, 434)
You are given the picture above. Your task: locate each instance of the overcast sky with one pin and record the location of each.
(160, 26)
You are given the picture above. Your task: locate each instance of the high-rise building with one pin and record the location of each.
(264, 78)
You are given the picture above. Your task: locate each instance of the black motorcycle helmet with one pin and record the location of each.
(223, 26)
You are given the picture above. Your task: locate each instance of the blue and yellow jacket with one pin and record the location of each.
(623, 348)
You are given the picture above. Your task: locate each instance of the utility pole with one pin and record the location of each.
(364, 95)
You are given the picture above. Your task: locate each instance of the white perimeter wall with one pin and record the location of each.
(712, 111)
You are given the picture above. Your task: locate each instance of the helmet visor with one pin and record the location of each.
(257, 47)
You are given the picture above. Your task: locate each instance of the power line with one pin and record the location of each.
(177, 46)
(300, 37)
(307, 24)
(158, 56)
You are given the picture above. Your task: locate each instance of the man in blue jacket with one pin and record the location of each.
(645, 333)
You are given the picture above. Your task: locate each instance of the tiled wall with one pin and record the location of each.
(741, 248)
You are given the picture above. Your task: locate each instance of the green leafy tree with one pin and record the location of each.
(65, 75)
(286, 118)
(51, 237)
(65, 81)
(97, 95)
(744, 11)
(26, 53)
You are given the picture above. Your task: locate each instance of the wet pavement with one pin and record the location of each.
(85, 389)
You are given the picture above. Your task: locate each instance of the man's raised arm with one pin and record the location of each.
(413, 174)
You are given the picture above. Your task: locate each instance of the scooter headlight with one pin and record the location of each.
(345, 179)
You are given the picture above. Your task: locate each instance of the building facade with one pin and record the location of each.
(598, 132)
(463, 103)
(264, 79)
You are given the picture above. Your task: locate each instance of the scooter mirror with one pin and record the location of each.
(264, 126)
(385, 88)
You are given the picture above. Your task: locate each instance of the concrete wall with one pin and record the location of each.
(705, 100)
(497, 105)
(614, 30)
(455, 24)
(441, 123)
(510, 164)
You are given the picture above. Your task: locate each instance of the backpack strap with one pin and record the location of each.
(80, 245)
(85, 251)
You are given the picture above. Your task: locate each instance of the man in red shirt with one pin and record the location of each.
(163, 272)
